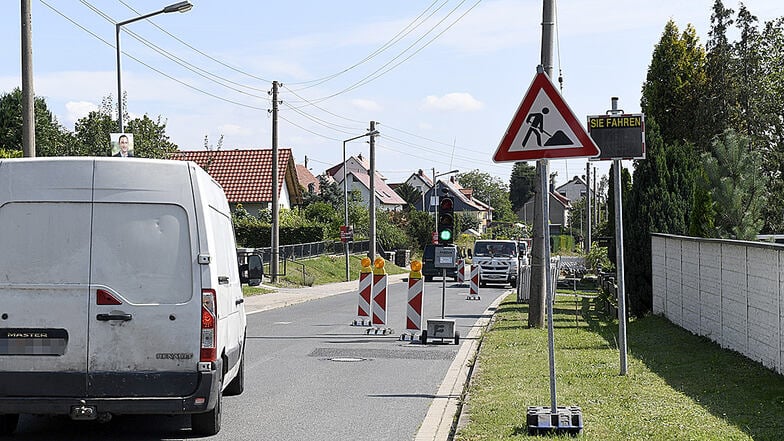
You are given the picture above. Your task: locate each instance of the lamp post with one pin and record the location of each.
(176, 7)
(345, 192)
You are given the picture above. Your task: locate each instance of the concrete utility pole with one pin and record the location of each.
(538, 294)
(275, 257)
(28, 95)
(372, 202)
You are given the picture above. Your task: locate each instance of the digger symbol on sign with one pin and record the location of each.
(536, 123)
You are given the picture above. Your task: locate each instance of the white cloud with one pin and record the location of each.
(366, 105)
(75, 110)
(456, 101)
(234, 129)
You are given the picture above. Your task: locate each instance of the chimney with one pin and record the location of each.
(306, 161)
(359, 156)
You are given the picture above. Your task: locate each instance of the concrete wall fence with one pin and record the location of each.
(729, 291)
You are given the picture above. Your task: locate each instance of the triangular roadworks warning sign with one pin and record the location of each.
(544, 127)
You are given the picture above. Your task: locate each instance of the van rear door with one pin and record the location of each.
(145, 304)
(44, 275)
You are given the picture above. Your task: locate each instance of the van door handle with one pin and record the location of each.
(239, 301)
(223, 280)
(108, 317)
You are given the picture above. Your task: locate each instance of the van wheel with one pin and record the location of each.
(8, 423)
(208, 423)
(237, 385)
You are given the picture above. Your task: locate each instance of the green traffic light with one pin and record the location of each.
(445, 235)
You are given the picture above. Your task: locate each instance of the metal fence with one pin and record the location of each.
(292, 253)
(524, 279)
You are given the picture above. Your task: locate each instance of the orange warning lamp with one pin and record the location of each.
(365, 262)
(379, 263)
(416, 265)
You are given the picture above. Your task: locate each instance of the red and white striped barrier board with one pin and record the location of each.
(414, 308)
(461, 265)
(363, 308)
(378, 308)
(473, 286)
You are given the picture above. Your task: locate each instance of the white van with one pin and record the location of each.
(119, 291)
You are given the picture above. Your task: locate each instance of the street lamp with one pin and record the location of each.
(345, 192)
(176, 7)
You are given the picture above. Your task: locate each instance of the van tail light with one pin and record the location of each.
(209, 324)
(104, 297)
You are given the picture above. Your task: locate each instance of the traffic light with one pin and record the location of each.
(446, 221)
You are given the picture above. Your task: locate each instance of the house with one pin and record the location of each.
(358, 179)
(307, 181)
(574, 190)
(420, 181)
(246, 176)
(559, 209)
(463, 199)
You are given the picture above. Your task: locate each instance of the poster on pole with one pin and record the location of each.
(122, 145)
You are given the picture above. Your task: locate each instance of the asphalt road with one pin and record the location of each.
(310, 375)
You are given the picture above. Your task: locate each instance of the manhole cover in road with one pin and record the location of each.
(347, 359)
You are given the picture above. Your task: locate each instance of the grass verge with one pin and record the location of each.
(679, 386)
(327, 269)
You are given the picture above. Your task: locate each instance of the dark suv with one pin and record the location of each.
(428, 265)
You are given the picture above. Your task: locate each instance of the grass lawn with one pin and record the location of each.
(679, 386)
(327, 269)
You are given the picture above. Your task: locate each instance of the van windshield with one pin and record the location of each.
(494, 249)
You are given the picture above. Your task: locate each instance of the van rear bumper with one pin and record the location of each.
(201, 400)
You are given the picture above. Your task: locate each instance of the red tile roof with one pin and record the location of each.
(245, 175)
(305, 178)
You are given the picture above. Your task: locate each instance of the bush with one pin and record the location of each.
(252, 233)
(561, 243)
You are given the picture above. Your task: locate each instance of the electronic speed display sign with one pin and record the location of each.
(618, 136)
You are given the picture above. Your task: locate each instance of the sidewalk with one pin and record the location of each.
(441, 416)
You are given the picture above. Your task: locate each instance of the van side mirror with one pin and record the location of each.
(255, 270)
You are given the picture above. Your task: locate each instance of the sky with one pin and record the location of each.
(442, 78)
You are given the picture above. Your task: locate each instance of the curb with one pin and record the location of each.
(443, 415)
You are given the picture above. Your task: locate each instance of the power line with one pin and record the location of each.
(149, 66)
(187, 65)
(405, 31)
(189, 46)
(380, 71)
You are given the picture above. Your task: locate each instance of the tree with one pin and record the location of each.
(49, 134)
(718, 107)
(419, 227)
(675, 83)
(737, 186)
(772, 131)
(491, 190)
(521, 184)
(626, 189)
(659, 202)
(150, 139)
(409, 194)
(701, 222)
